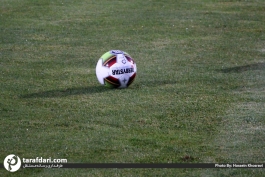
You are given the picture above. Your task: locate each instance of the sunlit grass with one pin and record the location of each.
(198, 93)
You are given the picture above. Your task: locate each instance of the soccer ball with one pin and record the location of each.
(116, 69)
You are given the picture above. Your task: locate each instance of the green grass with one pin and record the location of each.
(199, 90)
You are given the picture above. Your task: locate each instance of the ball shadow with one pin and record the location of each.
(92, 89)
(67, 92)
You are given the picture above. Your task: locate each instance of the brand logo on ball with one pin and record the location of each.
(117, 71)
(123, 61)
(12, 163)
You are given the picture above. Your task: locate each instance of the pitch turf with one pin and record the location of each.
(198, 95)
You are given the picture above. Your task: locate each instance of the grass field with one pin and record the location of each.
(199, 94)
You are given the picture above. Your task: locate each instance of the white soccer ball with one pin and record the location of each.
(116, 69)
